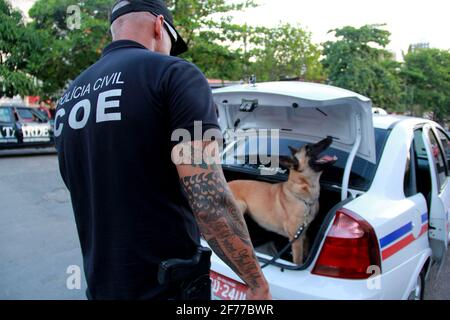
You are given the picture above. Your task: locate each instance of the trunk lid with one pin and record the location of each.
(308, 110)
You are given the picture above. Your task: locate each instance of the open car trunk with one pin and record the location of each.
(270, 243)
(297, 112)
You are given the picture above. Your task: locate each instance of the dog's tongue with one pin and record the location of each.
(327, 158)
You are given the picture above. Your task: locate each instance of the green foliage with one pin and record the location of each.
(49, 50)
(220, 48)
(358, 61)
(71, 51)
(285, 52)
(427, 75)
(17, 46)
(68, 50)
(224, 50)
(206, 27)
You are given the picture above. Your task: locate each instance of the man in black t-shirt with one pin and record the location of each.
(133, 206)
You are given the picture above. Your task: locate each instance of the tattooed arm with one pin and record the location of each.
(220, 221)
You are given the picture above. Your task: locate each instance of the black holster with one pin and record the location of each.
(191, 276)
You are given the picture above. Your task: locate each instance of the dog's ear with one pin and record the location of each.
(286, 162)
(293, 150)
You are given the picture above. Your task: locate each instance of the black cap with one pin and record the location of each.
(155, 7)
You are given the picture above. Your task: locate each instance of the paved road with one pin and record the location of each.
(38, 239)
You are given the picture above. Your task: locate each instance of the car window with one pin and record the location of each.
(409, 182)
(28, 115)
(5, 115)
(41, 114)
(422, 170)
(25, 114)
(362, 173)
(445, 142)
(438, 159)
(419, 145)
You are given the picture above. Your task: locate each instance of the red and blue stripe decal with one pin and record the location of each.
(400, 238)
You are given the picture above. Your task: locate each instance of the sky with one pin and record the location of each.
(409, 21)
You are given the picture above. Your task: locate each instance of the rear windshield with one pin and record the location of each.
(362, 173)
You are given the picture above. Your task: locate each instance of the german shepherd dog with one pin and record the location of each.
(284, 207)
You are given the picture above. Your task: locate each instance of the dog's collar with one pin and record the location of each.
(308, 204)
(300, 231)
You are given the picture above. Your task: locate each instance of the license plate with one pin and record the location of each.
(224, 288)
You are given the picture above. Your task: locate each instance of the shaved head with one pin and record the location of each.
(131, 21)
(145, 28)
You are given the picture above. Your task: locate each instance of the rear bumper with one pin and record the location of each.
(303, 285)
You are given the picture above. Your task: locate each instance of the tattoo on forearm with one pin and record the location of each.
(211, 201)
(222, 224)
(205, 161)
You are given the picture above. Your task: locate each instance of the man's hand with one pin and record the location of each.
(218, 216)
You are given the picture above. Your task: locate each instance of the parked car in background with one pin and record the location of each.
(379, 111)
(383, 223)
(22, 126)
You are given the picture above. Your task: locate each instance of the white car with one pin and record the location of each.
(379, 111)
(383, 226)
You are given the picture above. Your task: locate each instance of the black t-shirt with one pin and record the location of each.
(113, 134)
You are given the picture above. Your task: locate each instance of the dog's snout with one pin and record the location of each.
(327, 141)
(321, 146)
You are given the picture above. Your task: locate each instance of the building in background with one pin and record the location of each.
(417, 46)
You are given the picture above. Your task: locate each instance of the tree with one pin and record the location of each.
(358, 61)
(427, 75)
(17, 46)
(285, 52)
(71, 50)
(214, 41)
(70, 47)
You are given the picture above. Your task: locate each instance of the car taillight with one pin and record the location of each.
(350, 248)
